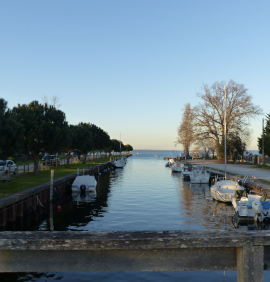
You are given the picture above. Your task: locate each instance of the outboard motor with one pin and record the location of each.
(258, 209)
(83, 190)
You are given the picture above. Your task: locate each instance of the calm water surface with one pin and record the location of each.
(144, 195)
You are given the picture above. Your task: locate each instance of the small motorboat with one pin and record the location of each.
(119, 163)
(169, 163)
(251, 208)
(177, 167)
(84, 183)
(199, 175)
(224, 190)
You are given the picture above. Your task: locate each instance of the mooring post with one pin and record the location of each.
(51, 201)
(250, 261)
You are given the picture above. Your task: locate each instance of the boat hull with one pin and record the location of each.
(221, 197)
(224, 190)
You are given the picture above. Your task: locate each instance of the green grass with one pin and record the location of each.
(28, 180)
(263, 167)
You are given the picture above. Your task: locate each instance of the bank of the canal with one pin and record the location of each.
(22, 209)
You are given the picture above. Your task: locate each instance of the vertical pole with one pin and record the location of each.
(78, 171)
(51, 185)
(250, 262)
(51, 201)
(225, 131)
(263, 141)
(120, 144)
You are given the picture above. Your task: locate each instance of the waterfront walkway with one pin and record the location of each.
(239, 169)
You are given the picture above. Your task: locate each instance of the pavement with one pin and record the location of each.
(239, 169)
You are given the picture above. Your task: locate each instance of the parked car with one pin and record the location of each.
(50, 159)
(7, 166)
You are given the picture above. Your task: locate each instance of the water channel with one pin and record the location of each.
(144, 195)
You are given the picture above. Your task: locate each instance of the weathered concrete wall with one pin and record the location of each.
(137, 251)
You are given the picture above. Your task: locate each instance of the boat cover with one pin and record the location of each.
(87, 180)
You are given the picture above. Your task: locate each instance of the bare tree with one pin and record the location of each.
(185, 135)
(54, 101)
(208, 116)
(208, 145)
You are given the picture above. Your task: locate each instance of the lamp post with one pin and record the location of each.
(263, 141)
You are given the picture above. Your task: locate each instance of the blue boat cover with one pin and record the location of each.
(265, 205)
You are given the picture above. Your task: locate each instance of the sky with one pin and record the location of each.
(130, 67)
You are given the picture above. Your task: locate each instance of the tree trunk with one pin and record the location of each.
(220, 152)
(68, 159)
(84, 158)
(186, 151)
(36, 163)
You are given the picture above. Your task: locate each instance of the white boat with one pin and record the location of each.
(177, 167)
(251, 208)
(186, 173)
(170, 162)
(119, 163)
(84, 183)
(199, 175)
(224, 190)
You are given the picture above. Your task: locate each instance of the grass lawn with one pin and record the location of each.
(28, 180)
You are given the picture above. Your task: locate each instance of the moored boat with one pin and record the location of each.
(251, 208)
(119, 163)
(177, 167)
(224, 190)
(199, 175)
(186, 172)
(84, 183)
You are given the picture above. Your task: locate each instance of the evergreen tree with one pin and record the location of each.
(266, 138)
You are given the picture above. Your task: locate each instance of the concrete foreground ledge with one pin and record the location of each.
(41, 251)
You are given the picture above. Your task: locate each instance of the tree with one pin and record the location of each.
(10, 131)
(116, 145)
(44, 129)
(235, 145)
(82, 139)
(68, 147)
(101, 139)
(185, 134)
(208, 117)
(207, 145)
(266, 138)
(128, 148)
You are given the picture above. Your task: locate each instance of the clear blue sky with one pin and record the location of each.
(129, 67)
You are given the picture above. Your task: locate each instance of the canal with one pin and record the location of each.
(144, 195)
